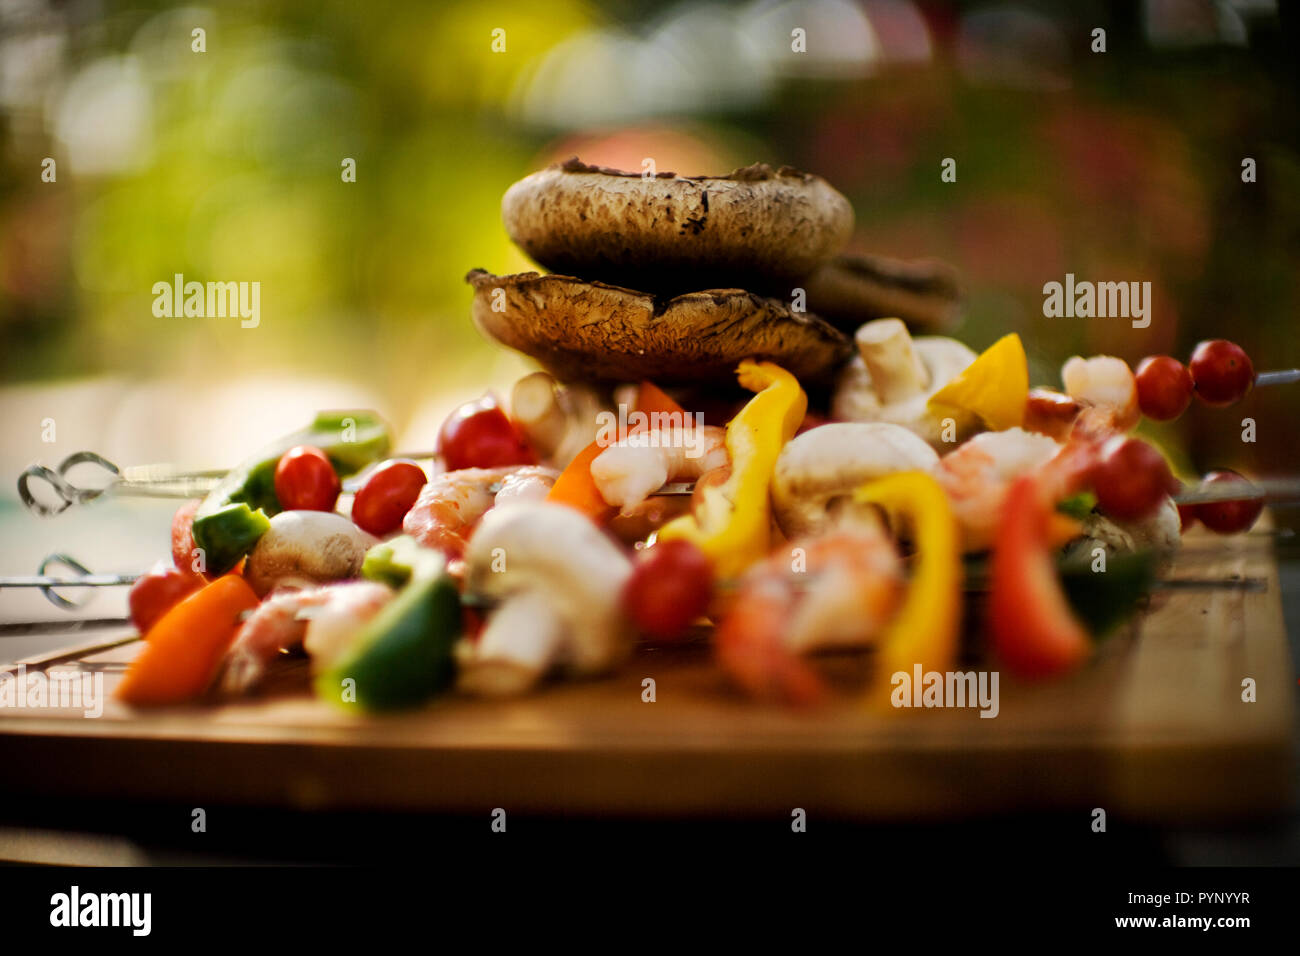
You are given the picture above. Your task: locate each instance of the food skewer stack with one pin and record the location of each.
(540, 544)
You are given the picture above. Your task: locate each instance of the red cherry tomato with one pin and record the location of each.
(1222, 372)
(183, 545)
(479, 435)
(1164, 387)
(1131, 479)
(156, 593)
(1229, 517)
(306, 481)
(671, 585)
(386, 497)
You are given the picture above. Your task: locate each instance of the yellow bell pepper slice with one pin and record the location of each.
(927, 628)
(732, 525)
(994, 388)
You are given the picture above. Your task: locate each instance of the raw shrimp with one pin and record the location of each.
(977, 475)
(1106, 384)
(629, 471)
(451, 504)
(332, 625)
(284, 618)
(836, 590)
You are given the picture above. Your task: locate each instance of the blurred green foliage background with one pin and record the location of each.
(225, 165)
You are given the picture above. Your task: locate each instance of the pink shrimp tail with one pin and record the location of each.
(751, 651)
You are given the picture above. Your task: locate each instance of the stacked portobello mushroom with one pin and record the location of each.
(676, 279)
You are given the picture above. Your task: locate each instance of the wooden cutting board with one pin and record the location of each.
(1155, 729)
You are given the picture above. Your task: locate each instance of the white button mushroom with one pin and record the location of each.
(312, 547)
(893, 376)
(1160, 532)
(558, 580)
(818, 471)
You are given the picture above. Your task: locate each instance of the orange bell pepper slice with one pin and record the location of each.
(576, 488)
(651, 399)
(183, 650)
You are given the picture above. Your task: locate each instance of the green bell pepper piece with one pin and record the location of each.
(404, 654)
(393, 562)
(1105, 599)
(228, 534)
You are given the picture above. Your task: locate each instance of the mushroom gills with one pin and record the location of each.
(598, 333)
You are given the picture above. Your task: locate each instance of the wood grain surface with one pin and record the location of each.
(1154, 729)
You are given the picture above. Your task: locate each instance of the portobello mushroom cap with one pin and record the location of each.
(758, 228)
(594, 332)
(853, 289)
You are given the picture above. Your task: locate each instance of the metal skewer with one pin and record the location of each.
(1287, 376)
(150, 481)
(32, 628)
(84, 578)
(166, 481)
(138, 481)
(1276, 491)
(163, 481)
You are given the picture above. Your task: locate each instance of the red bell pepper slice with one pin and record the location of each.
(1035, 633)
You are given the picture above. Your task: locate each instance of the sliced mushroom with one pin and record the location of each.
(818, 471)
(558, 580)
(894, 375)
(758, 227)
(853, 289)
(590, 331)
